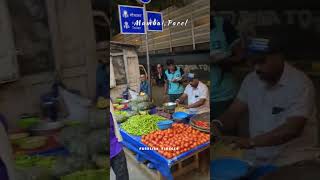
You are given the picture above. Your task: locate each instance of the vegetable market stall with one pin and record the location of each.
(161, 160)
(76, 150)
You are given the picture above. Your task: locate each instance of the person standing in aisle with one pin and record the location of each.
(160, 75)
(225, 51)
(173, 81)
(117, 156)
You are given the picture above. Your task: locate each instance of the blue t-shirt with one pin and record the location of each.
(144, 87)
(174, 87)
(223, 86)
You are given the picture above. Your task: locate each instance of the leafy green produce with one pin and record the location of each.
(25, 123)
(141, 106)
(123, 113)
(24, 161)
(144, 105)
(141, 124)
(140, 99)
(87, 175)
(121, 116)
(33, 142)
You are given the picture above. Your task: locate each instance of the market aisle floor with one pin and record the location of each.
(136, 173)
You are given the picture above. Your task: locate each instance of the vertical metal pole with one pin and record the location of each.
(192, 32)
(147, 48)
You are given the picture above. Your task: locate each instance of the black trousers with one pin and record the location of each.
(119, 166)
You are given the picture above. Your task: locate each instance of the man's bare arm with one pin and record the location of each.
(182, 98)
(197, 104)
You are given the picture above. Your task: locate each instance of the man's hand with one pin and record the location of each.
(185, 106)
(174, 80)
(237, 142)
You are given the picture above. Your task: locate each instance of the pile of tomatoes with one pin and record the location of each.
(202, 124)
(176, 140)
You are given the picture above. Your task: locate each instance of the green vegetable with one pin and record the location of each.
(121, 116)
(25, 161)
(87, 175)
(26, 123)
(141, 124)
(33, 142)
(119, 100)
(123, 113)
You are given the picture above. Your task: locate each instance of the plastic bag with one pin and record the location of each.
(77, 106)
(133, 94)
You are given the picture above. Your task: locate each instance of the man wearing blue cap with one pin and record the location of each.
(278, 98)
(197, 94)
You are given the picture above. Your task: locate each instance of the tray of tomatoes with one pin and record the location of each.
(174, 141)
(201, 122)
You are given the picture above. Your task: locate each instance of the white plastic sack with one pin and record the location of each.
(77, 106)
(133, 94)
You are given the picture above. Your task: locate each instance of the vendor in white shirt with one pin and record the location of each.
(197, 95)
(278, 98)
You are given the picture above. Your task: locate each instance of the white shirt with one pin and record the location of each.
(196, 94)
(270, 107)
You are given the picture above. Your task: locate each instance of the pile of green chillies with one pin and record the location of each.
(141, 124)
